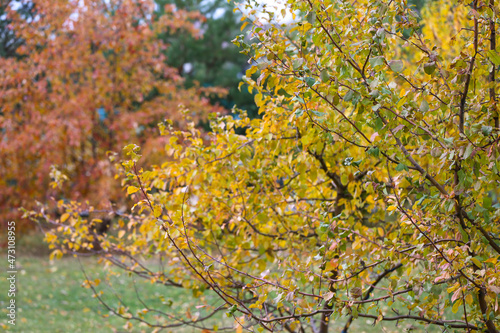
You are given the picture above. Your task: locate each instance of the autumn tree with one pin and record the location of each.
(88, 78)
(369, 189)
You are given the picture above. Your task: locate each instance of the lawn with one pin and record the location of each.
(50, 298)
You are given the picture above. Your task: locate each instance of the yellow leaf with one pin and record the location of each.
(453, 288)
(455, 307)
(259, 100)
(491, 260)
(243, 25)
(64, 217)
(57, 254)
(391, 208)
(121, 233)
(477, 262)
(357, 244)
(157, 211)
(132, 189)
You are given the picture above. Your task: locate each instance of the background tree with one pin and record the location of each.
(9, 41)
(87, 79)
(211, 60)
(367, 190)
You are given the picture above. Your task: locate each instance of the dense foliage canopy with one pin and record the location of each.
(86, 79)
(369, 188)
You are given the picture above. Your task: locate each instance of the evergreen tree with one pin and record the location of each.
(211, 59)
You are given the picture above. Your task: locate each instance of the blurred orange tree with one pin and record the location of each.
(89, 77)
(369, 188)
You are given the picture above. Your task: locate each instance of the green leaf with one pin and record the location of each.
(310, 81)
(396, 65)
(424, 106)
(468, 151)
(486, 130)
(494, 57)
(374, 151)
(401, 167)
(297, 63)
(487, 202)
(325, 77)
(429, 68)
(349, 96)
(378, 124)
(357, 163)
(465, 236)
(376, 61)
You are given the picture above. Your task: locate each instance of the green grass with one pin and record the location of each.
(50, 298)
